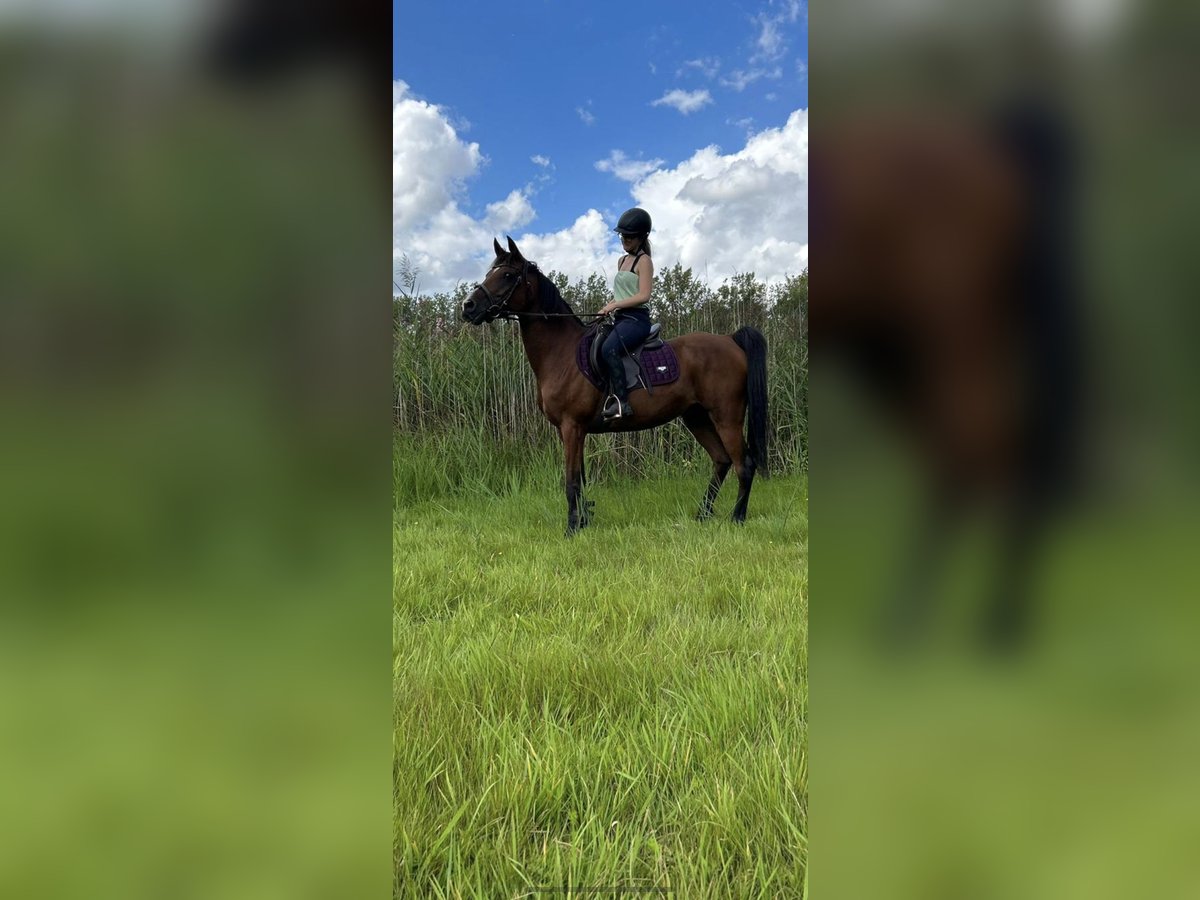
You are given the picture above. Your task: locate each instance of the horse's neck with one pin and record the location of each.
(547, 341)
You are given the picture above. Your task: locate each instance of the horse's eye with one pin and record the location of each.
(510, 274)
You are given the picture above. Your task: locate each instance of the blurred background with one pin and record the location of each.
(1003, 444)
(194, 505)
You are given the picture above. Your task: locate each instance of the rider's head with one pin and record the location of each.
(634, 228)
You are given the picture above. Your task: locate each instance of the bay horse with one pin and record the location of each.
(966, 325)
(722, 383)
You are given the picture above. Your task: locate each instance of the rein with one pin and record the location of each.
(513, 315)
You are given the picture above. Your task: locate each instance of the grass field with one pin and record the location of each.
(622, 710)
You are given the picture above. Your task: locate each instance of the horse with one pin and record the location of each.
(722, 384)
(965, 324)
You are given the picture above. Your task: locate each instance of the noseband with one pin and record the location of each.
(499, 305)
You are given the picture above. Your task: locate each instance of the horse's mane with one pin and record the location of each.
(549, 298)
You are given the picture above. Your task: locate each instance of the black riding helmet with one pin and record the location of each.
(633, 221)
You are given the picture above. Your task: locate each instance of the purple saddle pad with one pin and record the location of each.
(660, 366)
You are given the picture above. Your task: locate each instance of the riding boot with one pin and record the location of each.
(617, 406)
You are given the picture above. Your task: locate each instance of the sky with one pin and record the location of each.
(546, 119)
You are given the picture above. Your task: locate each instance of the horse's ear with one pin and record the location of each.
(499, 249)
(512, 248)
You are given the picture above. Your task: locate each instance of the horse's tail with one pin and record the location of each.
(754, 345)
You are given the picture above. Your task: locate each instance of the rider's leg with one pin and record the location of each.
(627, 332)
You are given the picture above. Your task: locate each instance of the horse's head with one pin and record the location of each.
(506, 288)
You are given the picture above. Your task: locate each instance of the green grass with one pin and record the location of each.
(627, 708)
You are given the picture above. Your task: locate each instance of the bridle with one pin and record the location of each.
(498, 305)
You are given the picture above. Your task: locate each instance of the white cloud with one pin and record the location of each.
(791, 9)
(578, 251)
(542, 161)
(430, 167)
(512, 212)
(770, 42)
(717, 213)
(739, 79)
(707, 66)
(627, 169)
(429, 162)
(773, 38)
(588, 118)
(684, 101)
(721, 214)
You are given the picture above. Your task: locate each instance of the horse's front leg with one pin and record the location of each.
(573, 436)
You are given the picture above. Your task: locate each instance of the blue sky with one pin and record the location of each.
(545, 119)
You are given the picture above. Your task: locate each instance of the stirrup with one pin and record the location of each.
(615, 408)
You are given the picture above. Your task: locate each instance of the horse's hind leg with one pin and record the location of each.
(730, 432)
(700, 425)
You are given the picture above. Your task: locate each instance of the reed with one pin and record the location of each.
(468, 392)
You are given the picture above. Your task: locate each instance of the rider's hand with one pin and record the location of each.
(608, 308)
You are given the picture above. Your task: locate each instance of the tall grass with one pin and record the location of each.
(470, 389)
(564, 723)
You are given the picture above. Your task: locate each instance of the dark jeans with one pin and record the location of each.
(631, 327)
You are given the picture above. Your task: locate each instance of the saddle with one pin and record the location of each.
(635, 371)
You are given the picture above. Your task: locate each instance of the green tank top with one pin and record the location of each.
(625, 285)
